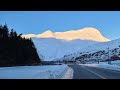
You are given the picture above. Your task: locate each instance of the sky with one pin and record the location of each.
(36, 22)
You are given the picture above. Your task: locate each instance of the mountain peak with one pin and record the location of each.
(48, 31)
(90, 33)
(46, 34)
(90, 29)
(87, 33)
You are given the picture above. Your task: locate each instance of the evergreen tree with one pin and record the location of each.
(5, 31)
(15, 50)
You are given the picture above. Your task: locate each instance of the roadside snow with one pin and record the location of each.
(33, 72)
(113, 66)
(117, 62)
(68, 74)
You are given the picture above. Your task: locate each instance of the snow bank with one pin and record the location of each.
(34, 72)
(117, 62)
(112, 66)
(68, 74)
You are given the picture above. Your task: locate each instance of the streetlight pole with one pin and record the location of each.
(109, 62)
(108, 54)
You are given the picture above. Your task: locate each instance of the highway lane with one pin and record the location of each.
(86, 72)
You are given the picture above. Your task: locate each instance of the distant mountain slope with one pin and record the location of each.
(52, 48)
(102, 51)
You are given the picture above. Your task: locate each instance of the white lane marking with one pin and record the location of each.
(97, 74)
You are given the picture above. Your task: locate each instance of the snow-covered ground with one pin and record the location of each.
(117, 62)
(36, 72)
(115, 65)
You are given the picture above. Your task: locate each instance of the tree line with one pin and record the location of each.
(16, 50)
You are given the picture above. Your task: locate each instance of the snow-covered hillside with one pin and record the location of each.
(101, 51)
(54, 45)
(52, 48)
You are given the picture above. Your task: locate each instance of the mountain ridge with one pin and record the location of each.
(87, 33)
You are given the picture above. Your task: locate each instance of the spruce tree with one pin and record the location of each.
(15, 50)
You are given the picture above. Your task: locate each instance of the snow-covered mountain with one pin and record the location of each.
(53, 45)
(82, 34)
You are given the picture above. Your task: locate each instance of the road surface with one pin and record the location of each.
(86, 72)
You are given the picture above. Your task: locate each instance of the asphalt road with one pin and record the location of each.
(85, 72)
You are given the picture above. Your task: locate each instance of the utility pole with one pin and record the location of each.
(109, 62)
(108, 54)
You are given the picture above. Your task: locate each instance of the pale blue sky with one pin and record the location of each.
(35, 22)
